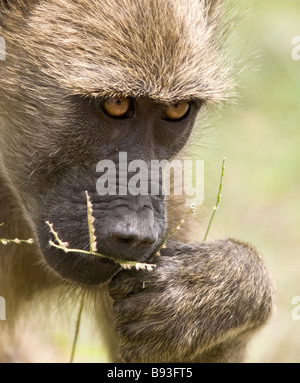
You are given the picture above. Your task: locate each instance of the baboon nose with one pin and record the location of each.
(132, 236)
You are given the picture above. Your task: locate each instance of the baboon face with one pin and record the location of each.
(128, 226)
(84, 81)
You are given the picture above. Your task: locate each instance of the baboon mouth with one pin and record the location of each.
(81, 268)
(73, 263)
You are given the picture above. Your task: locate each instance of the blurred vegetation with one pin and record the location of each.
(261, 140)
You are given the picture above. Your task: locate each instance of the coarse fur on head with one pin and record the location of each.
(165, 50)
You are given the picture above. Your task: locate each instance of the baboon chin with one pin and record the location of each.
(83, 81)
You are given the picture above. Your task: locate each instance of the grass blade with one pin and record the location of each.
(218, 201)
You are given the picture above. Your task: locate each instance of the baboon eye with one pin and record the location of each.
(177, 112)
(117, 107)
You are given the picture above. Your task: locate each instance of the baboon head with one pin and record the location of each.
(83, 81)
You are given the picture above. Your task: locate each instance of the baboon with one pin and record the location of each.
(84, 80)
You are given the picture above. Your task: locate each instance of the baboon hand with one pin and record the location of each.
(196, 298)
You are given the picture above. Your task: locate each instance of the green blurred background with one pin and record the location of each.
(260, 137)
(261, 140)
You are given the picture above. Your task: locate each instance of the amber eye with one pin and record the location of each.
(177, 111)
(117, 107)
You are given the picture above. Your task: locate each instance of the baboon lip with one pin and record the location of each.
(81, 268)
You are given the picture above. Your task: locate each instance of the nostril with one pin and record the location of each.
(127, 241)
(132, 241)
